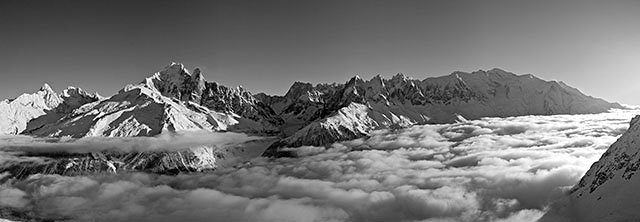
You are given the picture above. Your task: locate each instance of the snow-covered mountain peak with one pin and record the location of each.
(377, 82)
(197, 74)
(498, 71)
(176, 99)
(46, 87)
(73, 91)
(398, 78)
(402, 101)
(377, 77)
(75, 97)
(175, 67)
(50, 97)
(298, 89)
(355, 80)
(172, 99)
(174, 71)
(500, 74)
(15, 113)
(177, 82)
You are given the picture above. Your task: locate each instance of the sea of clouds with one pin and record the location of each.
(493, 169)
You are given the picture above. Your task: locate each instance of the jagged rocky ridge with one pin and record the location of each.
(15, 114)
(322, 114)
(608, 191)
(200, 158)
(172, 100)
(74, 164)
(168, 101)
(175, 99)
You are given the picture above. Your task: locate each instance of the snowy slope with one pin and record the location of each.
(170, 100)
(500, 93)
(176, 82)
(184, 152)
(316, 115)
(174, 99)
(196, 159)
(236, 108)
(353, 121)
(134, 111)
(608, 191)
(16, 114)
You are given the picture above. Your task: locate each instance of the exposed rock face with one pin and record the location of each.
(621, 160)
(171, 100)
(317, 115)
(175, 100)
(195, 159)
(74, 98)
(241, 102)
(175, 81)
(608, 191)
(168, 101)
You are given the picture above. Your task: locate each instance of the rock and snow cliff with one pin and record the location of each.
(176, 82)
(195, 159)
(170, 100)
(175, 99)
(16, 114)
(199, 158)
(608, 191)
(322, 114)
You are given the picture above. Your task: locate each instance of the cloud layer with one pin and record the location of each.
(162, 142)
(494, 169)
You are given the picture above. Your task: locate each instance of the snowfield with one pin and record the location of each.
(491, 169)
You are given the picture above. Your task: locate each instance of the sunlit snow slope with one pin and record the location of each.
(608, 191)
(322, 114)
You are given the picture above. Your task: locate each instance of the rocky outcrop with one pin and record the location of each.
(196, 159)
(170, 100)
(311, 112)
(175, 81)
(608, 191)
(175, 100)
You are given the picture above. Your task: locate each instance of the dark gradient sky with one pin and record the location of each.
(266, 45)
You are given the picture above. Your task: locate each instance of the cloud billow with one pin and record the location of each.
(493, 169)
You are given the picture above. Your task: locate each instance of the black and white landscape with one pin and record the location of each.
(488, 145)
(182, 142)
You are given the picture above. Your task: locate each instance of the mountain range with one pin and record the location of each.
(178, 100)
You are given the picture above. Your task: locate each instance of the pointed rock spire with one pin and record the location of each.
(298, 89)
(377, 80)
(51, 98)
(354, 80)
(46, 87)
(175, 68)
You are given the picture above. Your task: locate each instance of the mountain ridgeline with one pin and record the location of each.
(322, 114)
(177, 100)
